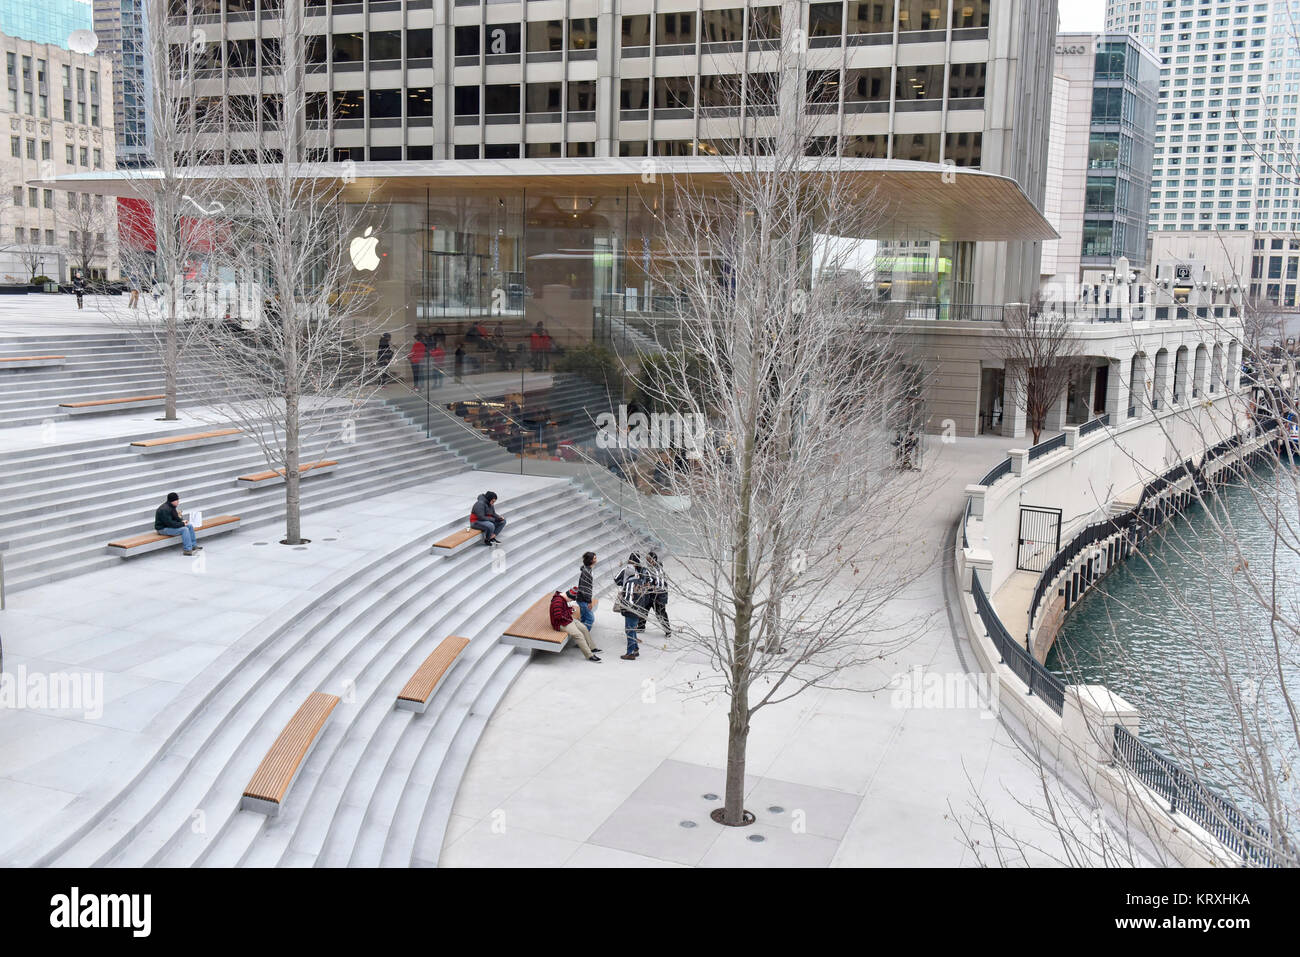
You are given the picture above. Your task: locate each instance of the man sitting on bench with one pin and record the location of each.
(168, 520)
(483, 517)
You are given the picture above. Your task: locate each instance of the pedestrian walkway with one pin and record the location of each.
(620, 765)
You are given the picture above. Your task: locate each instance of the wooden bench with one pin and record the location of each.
(112, 405)
(417, 692)
(152, 541)
(276, 476)
(455, 540)
(32, 362)
(533, 628)
(194, 441)
(270, 783)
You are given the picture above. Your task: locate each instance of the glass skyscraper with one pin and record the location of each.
(44, 21)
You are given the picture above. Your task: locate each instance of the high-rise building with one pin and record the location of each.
(122, 28)
(44, 21)
(55, 114)
(1225, 135)
(1099, 174)
(928, 81)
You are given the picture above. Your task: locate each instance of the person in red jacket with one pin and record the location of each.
(416, 357)
(562, 620)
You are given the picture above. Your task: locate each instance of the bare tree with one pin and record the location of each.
(168, 236)
(89, 222)
(794, 533)
(1042, 358)
(287, 228)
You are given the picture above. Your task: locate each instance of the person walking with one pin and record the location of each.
(537, 342)
(169, 520)
(657, 591)
(460, 362)
(562, 620)
(436, 356)
(384, 354)
(582, 593)
(631, 603)
(416, 358)
(79, 287)
(484, 518)
(135, 293)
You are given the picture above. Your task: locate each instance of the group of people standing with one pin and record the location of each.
(642, 589)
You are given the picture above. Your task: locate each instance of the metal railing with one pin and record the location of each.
(998, 471)
(1038, 680)
(1093, 425)
(1042, 448)
(1214, 812)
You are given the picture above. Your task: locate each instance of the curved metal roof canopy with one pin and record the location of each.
(921, 200)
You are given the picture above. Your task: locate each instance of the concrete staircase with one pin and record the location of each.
(103, 366)
(60, 504)
(379, 786)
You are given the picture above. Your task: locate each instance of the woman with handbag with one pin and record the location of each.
(631, 603)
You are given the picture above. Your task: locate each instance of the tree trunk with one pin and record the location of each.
(171, 358)
(733, 811)
(292, 477)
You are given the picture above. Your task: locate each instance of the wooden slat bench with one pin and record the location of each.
(533, 629)
(415, 696)
(270, 783)
(193, 441)
(113, 405)
(32, 362)
(152, 541)
(455, 540)
(276, 476)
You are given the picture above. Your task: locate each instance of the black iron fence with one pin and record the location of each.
(1042, 448)
(1213, 811)
(1038, 680)
(1092, 425)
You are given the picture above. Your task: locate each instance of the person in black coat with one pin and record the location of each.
(169, 520)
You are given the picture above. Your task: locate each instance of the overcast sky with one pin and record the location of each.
(1079, 15)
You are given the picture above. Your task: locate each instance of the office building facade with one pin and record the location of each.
(44, 21)
(1226, 131)
(122, 27)
(926, 81)
(57, 119)
(1099, 180)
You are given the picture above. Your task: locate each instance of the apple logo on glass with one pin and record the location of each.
(362, 250)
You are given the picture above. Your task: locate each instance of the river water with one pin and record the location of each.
(1179, 636)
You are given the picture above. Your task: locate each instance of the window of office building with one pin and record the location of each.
(764, 23)
(501, 151)
(466, 101)
(467, 40)
(419, 101)
(867, 85)
(503, 38)
(675, 29)
(501, 98)
(582, 96)
(636, 30)
(723, 26)
(971, 14)
(385, 104)
(674, 93)
(917, 147)
(582, 33)
(543, 150)
(719, 92)
(922, 15)
(545, 36)
(634, 94)
(966, 81)
(419, 44)
(385, 45)
(963, 149)
(674, 148)
(632, 148)
(923, 82)
(544, 97)
(348, 48)
(466, 151)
